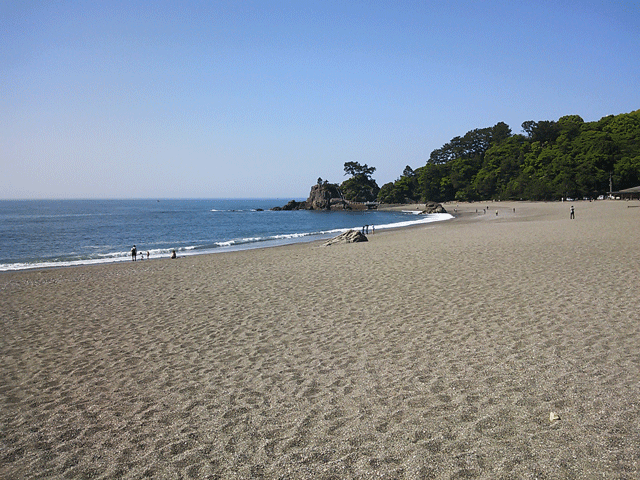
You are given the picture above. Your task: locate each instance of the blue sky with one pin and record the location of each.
(236, 99)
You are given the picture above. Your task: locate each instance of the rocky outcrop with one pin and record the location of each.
(292, 205)
(319, 198)
(325, 196)
(350, 236)
(433, 207)
(339, 204)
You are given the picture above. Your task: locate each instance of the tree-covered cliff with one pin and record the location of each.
(359, 187)
(549, 160)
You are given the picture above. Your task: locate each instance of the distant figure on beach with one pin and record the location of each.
(173, 254)
(134, 253)
(573, 213)
(496, 213)
(373, 229)
(147, 254)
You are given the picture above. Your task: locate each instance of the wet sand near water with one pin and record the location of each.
(437, 351)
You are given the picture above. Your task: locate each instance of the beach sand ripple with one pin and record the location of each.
(432, 352)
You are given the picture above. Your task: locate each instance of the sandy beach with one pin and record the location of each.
(436, 351)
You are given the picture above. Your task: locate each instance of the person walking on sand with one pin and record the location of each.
(134, 253)
(573, 213)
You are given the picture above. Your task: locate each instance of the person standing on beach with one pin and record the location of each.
(134, 253)
(573, 214)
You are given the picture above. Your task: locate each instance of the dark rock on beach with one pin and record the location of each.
(350, 236)
(433, 207)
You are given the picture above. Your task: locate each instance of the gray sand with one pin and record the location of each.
(432, 352)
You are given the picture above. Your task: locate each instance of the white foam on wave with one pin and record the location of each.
(428, 218)
(100, 258)
(228, 243)
(9, 267)
(291, 235)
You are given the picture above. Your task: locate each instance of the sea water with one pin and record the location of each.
(50, 233)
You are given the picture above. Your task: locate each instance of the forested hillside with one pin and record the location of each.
(548, 161)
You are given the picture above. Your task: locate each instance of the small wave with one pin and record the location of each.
(292, 235)
(234, 210)
(240, 241)
(9, 267)
(225, 244)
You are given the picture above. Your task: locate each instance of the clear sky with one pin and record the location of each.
(213, 99)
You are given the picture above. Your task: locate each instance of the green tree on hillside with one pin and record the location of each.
(403, 190)
(356, 170)
(553, 159)
(360, 187)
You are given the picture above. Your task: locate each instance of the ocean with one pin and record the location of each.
(56, 233)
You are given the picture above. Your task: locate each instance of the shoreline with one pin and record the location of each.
(438, 350)
(234, 245)
(459, 210)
